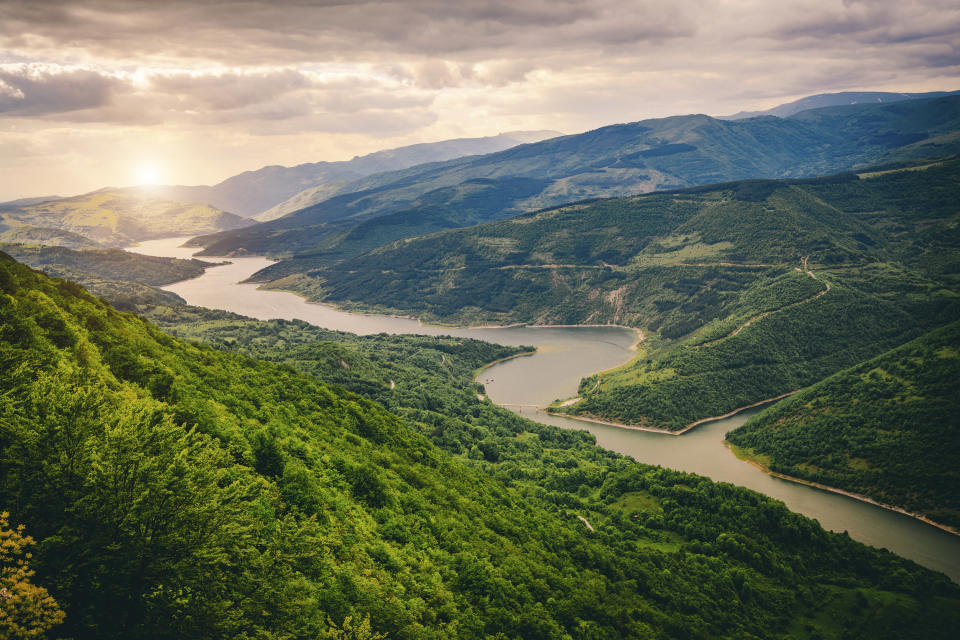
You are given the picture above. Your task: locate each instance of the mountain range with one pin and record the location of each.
(612, 161)
(190, 473)
(272, 191)
(835, 100)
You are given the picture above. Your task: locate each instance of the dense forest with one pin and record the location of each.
(887, 428)
(175, 490)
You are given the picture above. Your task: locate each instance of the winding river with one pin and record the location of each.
(565, 355)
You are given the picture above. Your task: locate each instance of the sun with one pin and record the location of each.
(148, 173)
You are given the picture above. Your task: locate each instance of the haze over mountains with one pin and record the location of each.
(266, 190)
(835, 100)
(119, 217)
(112, 217)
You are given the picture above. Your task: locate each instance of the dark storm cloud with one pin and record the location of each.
(29, 90)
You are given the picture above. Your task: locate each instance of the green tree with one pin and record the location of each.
(26, 610)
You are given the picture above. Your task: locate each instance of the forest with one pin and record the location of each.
(141, 465)
(886, 428)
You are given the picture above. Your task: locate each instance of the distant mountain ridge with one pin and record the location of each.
(253, 192)
(613, 161)
(843, 98)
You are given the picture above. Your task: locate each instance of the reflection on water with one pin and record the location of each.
(565, 355)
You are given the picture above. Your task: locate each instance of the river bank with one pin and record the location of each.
(741, 455)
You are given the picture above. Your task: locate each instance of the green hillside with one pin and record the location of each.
(128, 280)
(178, 491)
(111, 264)
(119, 218)
(613, 161)
(692, 267)
(888, 428)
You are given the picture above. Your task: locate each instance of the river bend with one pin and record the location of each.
(564, 356)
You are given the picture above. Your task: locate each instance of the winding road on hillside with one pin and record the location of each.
(759, 316)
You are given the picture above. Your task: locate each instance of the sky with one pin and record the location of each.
(112, 92)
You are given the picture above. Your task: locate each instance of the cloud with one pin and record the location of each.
(309, 100)
(296, 31)
(35, 90)
(244, 83)
(218, 91)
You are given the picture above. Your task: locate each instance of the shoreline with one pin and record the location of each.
(843, 492)
(640, 335)
(525, 354)
(678, 432)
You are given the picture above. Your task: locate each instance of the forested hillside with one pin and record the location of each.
(748, 290)
(111, 264)
(617, 160)
(179, 491)
(888, 429)
(128, 280)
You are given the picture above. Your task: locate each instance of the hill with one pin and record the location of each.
(112, 264)
(118, 218)
(613, 161)
(179, 491)
(835, 100)
(26, 234)
(887, 428)
(271, 192)
(731, 282)
(127, 280)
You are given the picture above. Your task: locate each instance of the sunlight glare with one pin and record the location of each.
(148, 174)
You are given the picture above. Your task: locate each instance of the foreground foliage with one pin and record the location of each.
(179, 491)
(26, 610)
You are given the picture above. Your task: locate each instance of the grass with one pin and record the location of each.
(751, 456)
(636, 501)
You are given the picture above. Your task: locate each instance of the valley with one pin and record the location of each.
(106, 418)
(565, 355)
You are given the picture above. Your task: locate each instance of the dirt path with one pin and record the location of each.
(746, 324)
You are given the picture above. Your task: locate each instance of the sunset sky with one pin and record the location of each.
(118, 93)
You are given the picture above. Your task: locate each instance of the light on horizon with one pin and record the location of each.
(148, 174)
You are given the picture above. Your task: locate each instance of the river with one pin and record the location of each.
(564, 356)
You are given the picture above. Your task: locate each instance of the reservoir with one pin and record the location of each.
(564, 356)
